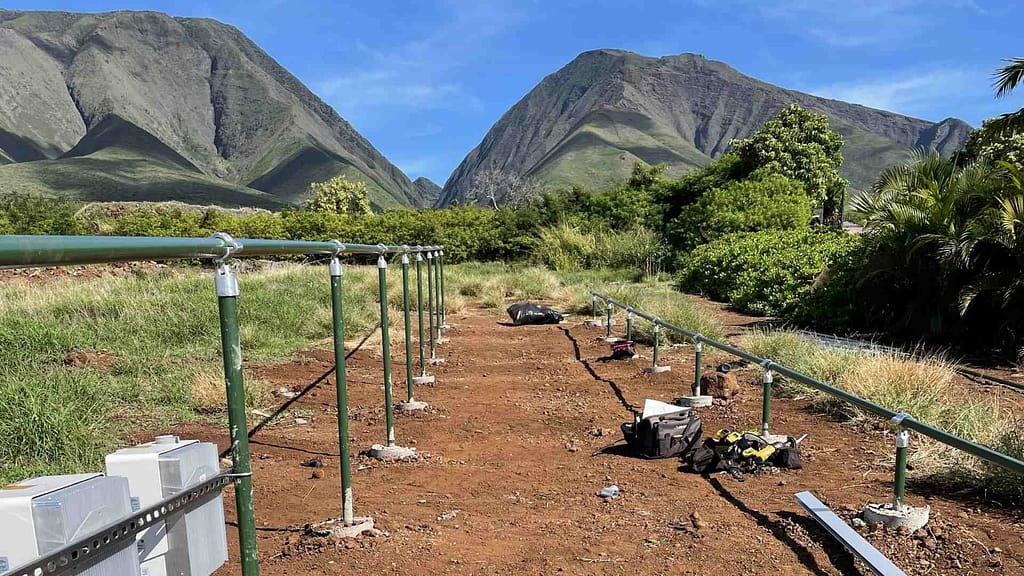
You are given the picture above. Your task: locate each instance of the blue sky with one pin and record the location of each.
(424, 80)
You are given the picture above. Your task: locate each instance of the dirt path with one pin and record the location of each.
(517, 415)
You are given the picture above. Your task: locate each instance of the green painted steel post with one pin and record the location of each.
(437, 295)
(629, 325)
(419, 312)
(766, 400)
(408, 326)
(444, 304)
(227, 305)
(385, 347)
(657, 344)
(900, 480)
(608, 321)
(698, 350)
(430, 302)
(341, 381)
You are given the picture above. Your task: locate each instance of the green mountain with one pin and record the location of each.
(428, 190)
(143, 106)
(588, 122)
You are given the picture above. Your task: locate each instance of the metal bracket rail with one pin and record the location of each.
(94, 547)
(847, 536)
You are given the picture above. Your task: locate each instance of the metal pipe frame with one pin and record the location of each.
(906, 421)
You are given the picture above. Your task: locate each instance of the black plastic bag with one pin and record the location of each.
(530, 313)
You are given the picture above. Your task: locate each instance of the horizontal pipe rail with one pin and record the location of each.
(903, 419)
(29, 251)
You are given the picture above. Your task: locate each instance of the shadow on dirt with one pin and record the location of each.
(778, 530)
(590, 369)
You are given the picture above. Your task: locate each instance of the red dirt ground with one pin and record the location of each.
(509, 443)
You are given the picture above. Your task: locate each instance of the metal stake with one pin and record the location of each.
(629, 325)
(227, 305)
(900, 480)
(438, 323)
(444, 306)
(766, 401)
(657, 339)
(341, 381)
(408, 326)
(608, 321)
(698, 350)
(385, 347)
(419, 312)
(430, 302)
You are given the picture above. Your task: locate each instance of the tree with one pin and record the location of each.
(499, 188)
(992, 145)
(800, 145)
(643, 176)
(1007, 78)
(339, 195)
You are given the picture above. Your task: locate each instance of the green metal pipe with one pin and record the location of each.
(341, 379)
(608, 321)
(437, 295)
(900, 476)
(231, 346)
(976, 450)
(430, 303)
(419, 312)
(657, 345)
(698, 351)
(408, 327)
(766, 401)
(444, 304)
(22, 251)
(385, 347)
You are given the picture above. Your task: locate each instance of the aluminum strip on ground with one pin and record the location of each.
(848, 537)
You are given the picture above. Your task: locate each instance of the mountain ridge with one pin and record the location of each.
(199, 87)
(588, 121)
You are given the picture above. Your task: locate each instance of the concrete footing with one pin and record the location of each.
(411, 406)
(435, 361)
(657, 369)
(611, 339)
(694, 401)
(775, 438)
(423, 380)
(597, 322)
(443, 340)
(381, 452)
(339, 529)
(913, 517)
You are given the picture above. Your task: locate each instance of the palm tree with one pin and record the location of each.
(1007, 78)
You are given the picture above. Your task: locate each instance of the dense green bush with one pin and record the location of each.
(568, 247)
(763, 202)
(768, 272)
(30, 214)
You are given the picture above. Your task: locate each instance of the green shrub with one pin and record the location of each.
(30, 214)
(767, 272)
(759, 203)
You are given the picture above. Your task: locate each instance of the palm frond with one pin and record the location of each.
(1007, 77)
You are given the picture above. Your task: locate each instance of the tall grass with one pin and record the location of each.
(567, 247)
(922, 387)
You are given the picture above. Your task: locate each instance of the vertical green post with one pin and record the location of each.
(766, 400)
(444, 305)
(900, 480)
(430, 302)
(629, 325)
(227, 305)
(408, 325)
(657, 344)
(438, 323)
(698, 349)
(419, 311)
(341, 381)
(385, 347)
(608, 320)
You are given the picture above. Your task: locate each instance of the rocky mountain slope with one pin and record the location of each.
(588, 122)
(143, 106)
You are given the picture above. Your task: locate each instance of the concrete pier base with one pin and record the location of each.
(423, 380)
(435, 361)
(913, 517)
(657, 369)
(411, 406)
(392, 453)
(694, 401)
(339, 529)
(611, 339)
(597, 322)
(443, 340)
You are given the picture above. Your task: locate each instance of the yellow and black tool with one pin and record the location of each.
(761, 455)
(726, 436)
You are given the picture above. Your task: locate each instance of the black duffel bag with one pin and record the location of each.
(530, 313)
(664, 435)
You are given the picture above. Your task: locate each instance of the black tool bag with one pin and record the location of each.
(665, 435)
(530, 313)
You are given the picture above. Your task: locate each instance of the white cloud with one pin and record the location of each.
(907, 93)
